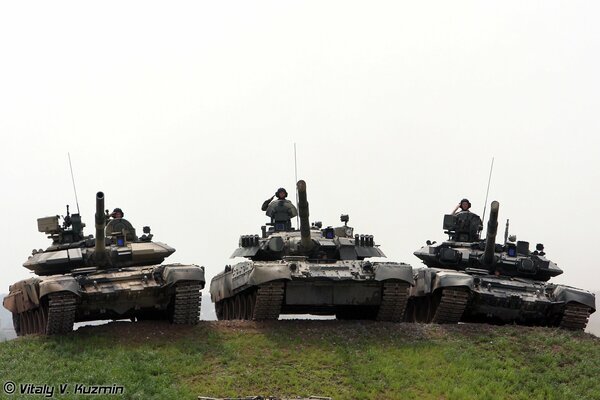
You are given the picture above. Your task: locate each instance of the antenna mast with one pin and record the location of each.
(296, 176)
(73, 180)
(488, 191)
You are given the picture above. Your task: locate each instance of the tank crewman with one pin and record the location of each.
(468, 224)
(280, 210)
(464, 206)
(118, 224)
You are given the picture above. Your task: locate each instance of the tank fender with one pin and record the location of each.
(569, 294)
(396, 271)
(444, 279)
(266, 273)
(59, 284)
(174, 273)
(220, 286)
(246, 274)
(23, 296)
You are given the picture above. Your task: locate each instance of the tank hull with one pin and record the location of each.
(445, 296)
(50, 305)
(347, 289)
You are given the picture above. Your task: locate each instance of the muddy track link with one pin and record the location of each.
(269, 298)
(61, 313)
(186, 308)
(393, 301)
(451, 307)
(575, 317)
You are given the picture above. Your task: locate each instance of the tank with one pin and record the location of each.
(112, 275)
(474, 280)
(311, 270)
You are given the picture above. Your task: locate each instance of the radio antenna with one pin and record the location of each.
(488, 191)
(296, 176)
(73, 180)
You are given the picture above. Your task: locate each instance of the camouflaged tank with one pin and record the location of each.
(116, 275)
(475, 280)
(310, 271)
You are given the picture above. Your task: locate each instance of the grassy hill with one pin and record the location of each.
(344, 360)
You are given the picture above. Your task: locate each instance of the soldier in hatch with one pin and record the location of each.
(280, 210)
(117, 224)
(468, 225)
(464, 206)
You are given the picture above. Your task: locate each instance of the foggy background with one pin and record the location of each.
(186, 114)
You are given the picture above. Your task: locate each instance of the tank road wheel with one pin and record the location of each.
(219, 310)
(448, 306)
(268, 301)
(242, 305)
(227, 309)
(17, 324)
(249, 305)
(35, 323)
(186, 303)
(40, 314)
(31, 322)
(25, 323)
(237, 307)
(393, 301)
(575, 317)
(43, 313)
(417, 309)
(61, 313)
(41, 321)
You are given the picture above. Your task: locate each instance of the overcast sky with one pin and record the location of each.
(186, 113)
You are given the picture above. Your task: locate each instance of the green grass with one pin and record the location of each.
(344, 360)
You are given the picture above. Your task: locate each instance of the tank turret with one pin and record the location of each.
(70, 250)
(490, 239)
(310, 241)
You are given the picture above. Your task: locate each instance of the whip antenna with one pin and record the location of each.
(488, 191)
(296, 176)
(73, 180)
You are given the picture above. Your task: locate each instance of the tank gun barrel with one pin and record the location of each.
(100, 218)
(303, 213)
(492, 229)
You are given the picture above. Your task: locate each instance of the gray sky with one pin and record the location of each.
(185, 115)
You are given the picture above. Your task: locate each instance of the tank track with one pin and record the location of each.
(269, 298)
(186, 303)
(61, 313)
(575, 317)
(393, 301)
(451, 306)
